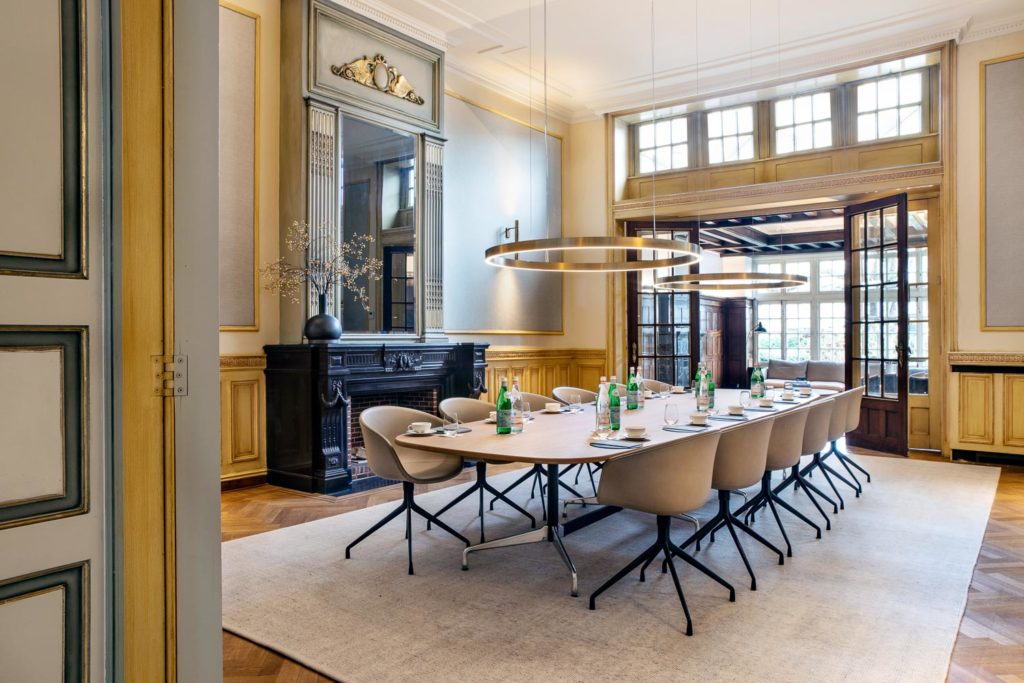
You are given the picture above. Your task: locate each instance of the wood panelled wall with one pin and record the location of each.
(987, 406)
(243, 416)
(541, 370)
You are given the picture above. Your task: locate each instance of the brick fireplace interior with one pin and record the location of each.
(419, 399)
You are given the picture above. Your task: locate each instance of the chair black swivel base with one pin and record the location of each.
(408, 506)
(768, 497)
(797, 481)
(538, 474)
(728, 518)
(664, 545)
(483, 487)
(846, 461)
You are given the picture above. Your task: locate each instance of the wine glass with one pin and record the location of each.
(745, 399)
(574, 403)
(526, 412)
(450, 424)
(671, 414)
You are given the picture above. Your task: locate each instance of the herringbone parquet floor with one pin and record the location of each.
(989, 648)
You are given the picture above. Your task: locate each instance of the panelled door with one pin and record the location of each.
(876, 320)
(54, 374)
(663, 330)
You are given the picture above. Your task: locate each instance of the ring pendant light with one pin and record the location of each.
(729, 281)
(554, 249)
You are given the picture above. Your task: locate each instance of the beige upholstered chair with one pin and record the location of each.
(656, 385)
(388, 460)
(666, 480)
(472, 410)
(739, 463)
(784, 450)
(536, 401)
(819, 416)
(852, 422)
(565, 394)
(836, 430)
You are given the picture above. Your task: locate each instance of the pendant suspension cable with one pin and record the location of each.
(654, 131)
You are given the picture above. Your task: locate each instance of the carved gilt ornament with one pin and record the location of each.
(376, 73)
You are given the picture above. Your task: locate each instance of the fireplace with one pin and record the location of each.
(316, 392)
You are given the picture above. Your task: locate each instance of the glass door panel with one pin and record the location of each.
(877, 320)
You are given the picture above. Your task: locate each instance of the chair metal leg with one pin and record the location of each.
(481, 486)
(799, 515)
(531, 473)
(829, 470)
(743, 555)
(821, 466)
(810, 489)
(408, 534)
(846, 459)
(498, 495)
(390, 516)
(679, 588)
(441, 525)
(853, 476)
(649, 554)
(701, 567)
(782, 529)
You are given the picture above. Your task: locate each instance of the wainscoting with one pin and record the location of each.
(541, 370)
(987, 403)
(243, 417)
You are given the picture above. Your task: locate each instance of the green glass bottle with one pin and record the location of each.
(711, 391)
(504, 409)
(632, 391)
(756, 383)
(615, 404)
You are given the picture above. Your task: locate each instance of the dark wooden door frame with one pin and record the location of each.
(632, 285)
(883, 421)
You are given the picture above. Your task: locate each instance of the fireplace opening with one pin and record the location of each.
(418, 399)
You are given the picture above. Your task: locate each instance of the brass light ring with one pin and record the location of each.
(507, 255)
(729, 281)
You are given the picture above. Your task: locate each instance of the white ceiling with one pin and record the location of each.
(599, 51)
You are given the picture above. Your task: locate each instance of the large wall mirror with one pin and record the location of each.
(377, 197)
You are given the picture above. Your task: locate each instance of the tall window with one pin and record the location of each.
(890, 107)
(731, 134)
(662, 145)
(917, 300)
(803, 123)
(807, 322)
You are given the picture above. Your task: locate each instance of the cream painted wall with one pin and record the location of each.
(269, 140)
(584, 212)
(969, 336)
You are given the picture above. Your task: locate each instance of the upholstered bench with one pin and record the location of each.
(821, 374)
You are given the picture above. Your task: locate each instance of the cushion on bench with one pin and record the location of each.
(786, 369)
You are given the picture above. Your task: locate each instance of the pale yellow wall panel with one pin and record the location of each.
(977, 402)
(1013, 410)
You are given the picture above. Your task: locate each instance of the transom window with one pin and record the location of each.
(890, 107)
(663, 145)
(803, 123)
(731, 134)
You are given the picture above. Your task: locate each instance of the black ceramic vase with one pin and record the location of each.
(323, 327)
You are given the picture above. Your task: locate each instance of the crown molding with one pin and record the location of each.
(993, 29)
(555, 109)
(399, 21)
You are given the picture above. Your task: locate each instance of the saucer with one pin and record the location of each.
(645, 437)
(430, 433)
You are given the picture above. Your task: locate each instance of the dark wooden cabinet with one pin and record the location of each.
(711, 336)
(737, 321)
(314, 392)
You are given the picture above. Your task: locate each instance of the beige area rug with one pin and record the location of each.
(879, 598)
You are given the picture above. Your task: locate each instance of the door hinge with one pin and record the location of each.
(170, 375)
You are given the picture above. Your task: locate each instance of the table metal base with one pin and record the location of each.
(552, 532)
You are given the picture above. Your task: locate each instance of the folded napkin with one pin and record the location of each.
(762, 410)
(734, 418)
(616, 444)
(685, 429)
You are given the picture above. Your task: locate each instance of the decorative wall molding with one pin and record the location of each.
(985, 358)
(992, 29)
(73, 343)
(399, 21)
(376, 73)
(72, 581)
(243, 420)
(231, 362)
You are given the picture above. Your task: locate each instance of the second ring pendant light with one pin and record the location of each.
(695, 282)
(510, 255)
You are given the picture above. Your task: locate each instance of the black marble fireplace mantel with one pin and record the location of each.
(310, 389)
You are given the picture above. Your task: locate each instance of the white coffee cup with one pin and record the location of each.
(492, 416)
(553, 407)
(634, 431)
(699, 418)
(648, 394)
(420, 427)
(764, 402)
(805, 391)
(736, 409)
(676, 389)
(787, 395)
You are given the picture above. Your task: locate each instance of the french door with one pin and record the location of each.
(663, 333)
(876, 320)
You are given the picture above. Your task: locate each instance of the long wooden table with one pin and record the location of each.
(559, 439)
